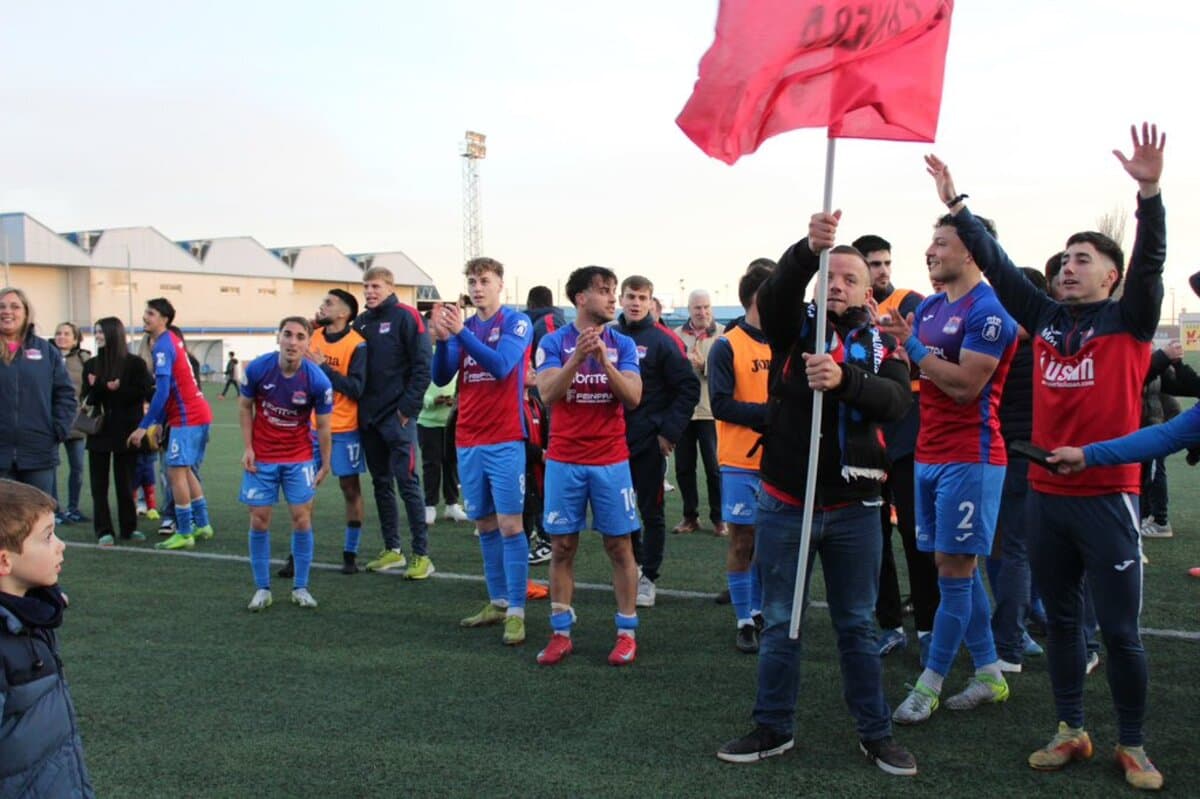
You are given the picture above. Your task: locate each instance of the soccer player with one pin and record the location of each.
(963, 341)
(488, 352)
(278, 398)
(862, 382)
(670, 391)
(1092, 353)
(341, 355)
(588, 374)
(179, 401)
(738, 368)
(398, 351)
(899, 496)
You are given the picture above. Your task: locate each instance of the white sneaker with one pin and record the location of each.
(430, 514)
(454, 513)
(1152, 529)
(260, 601)
(645, 592)
(1092, 662)
(301, 597)
(1009, 668)
(141, 507)
(667, 487)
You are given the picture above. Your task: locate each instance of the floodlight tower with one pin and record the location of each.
(474, 149)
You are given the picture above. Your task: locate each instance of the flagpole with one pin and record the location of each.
(814, 436)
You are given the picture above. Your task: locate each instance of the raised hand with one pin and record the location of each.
(1145, 164)
(822, 231)
(899, 327)
(937, 168)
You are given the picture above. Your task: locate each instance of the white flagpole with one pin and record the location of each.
(810, 485)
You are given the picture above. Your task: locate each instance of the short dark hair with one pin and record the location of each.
(539, 297)
(637, 283)
(477, 266)
(756, 274)
(349, 299)
(871, 243)
(20, 507)
(947, 220)
(300, 320)
(581, 279)
(1036, 278)
(1106, 247)
(164, 307)
(1054, 265)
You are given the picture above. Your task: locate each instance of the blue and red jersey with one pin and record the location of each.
(177, 396)
(589, 422)
(283, 407)
(970, 432)
(490, 357)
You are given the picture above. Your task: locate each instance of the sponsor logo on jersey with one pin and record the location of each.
(991, 328)
(1060, 374)
(927, 317)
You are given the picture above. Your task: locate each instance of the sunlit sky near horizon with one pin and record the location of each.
(310, 123)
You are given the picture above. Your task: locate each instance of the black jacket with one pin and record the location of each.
(123, 408)
(41, 754)
(399, 354)
(876, 393)
(670, 389)
(37, 405)
(1016, 403)
(544, 320)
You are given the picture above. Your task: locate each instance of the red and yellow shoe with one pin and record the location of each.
(1139, 771)
(1067, 744)
(536, 591)
(623, 652)
(559, 647)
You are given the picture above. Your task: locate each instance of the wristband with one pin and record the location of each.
(915, 349)
(957, 200)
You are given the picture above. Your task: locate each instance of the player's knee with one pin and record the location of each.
(260, 518)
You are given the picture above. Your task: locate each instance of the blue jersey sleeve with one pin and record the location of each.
(254, 375)
(514, 341)
(164, 369)
(321, 388)
(446, 360)
(627, 357)
(549, 352)
(1148, 443)
(990, 330)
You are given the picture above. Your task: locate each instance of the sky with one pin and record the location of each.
(312, 123)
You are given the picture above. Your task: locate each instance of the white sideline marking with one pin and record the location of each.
(1182, 635)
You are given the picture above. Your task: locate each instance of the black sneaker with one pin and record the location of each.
(759, 622)
(540, 551)
(167, 527)
(289, 568)
(747, 639)
(890, 756)
(760, 744)
(723, 598)
(349, 563)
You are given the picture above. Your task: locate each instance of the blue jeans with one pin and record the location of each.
(75, 448)
(38, 478)
(1012, 584)
(848, 542)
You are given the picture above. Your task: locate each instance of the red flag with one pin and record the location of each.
(866, 69)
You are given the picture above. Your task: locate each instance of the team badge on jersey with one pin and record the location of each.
(953, 324)
(540, 357)
(33, 355)
(521, 327)
(641, 350)
(991, 328)
(494, 335)
(160, 359)
(299, 397)
(385, 327)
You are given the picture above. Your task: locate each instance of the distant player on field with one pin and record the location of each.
(488, 353)
(280, 393)
(588, 374)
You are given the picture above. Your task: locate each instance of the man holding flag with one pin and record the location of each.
(862, 380)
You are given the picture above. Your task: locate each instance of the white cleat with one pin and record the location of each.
(917, 707)
(261, 601)
(301, 597)
(454, 513)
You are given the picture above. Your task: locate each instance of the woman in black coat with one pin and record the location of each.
(118, 384)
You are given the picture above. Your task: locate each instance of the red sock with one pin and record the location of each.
(148, 491)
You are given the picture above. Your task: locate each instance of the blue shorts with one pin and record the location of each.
(609, 489)
(187, 446)
(347, 455)
(261, 488)
(493, 479)
(957, 505)
(739, 496)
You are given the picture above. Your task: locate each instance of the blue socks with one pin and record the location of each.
(199, 512)
(353, 534)
(493, 566)
(978, 637)
(260, 557)
(183, 520)
(561, 621)
(516, 571)
(740, 592)
(950, 622)
(302, 556)
(627, 625)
